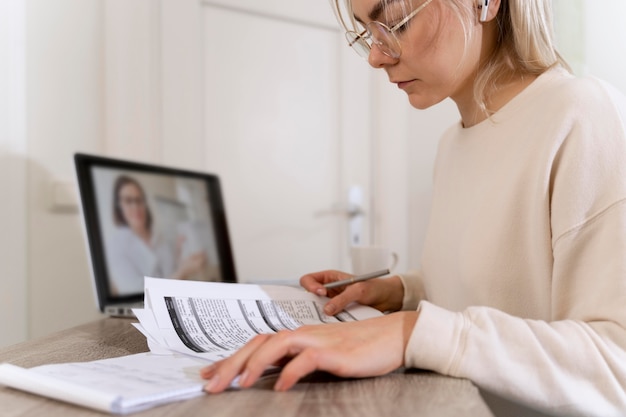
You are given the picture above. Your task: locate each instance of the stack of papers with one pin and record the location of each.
(213, 320)
(188, 325)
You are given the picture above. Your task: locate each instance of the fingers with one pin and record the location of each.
(384, 294)
(314, 282)
(341, 296)
(250, 361)
(222, 373)
(254, 358)
(200, 259)
(355, 349)
(300, 366)
(352, 293)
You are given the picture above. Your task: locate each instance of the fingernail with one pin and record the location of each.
(212, 384)
(243, 378)
(279, 386)
(329, 309)
(320, 291)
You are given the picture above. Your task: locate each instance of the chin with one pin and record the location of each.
(422, 103)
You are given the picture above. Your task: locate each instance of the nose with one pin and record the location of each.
(377, 59)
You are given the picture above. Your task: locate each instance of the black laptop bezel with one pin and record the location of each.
(84, 164)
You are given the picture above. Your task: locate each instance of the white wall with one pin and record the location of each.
(13, 245)
(64, 51)
(404, 160)
(605, 40)
(591, 35)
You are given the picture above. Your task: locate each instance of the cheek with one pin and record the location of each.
(439, 77)
(439, 60)
(421, 52)
(444, 46)
(131, 212)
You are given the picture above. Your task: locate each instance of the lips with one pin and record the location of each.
(403, 84)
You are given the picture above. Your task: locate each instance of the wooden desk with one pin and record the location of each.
(401, 394)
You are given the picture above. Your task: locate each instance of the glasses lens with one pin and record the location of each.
(359, 44)
(384, 39)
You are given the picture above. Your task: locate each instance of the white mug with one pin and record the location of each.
(366, 259)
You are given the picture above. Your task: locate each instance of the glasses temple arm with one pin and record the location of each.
(410, 16)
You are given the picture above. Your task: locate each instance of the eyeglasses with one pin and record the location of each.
(381, 35)
(135, 201)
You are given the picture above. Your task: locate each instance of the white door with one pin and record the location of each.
(285, 125)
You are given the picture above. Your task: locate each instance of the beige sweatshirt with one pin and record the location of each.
(522, 287)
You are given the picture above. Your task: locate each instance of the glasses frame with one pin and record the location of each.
(361, 38)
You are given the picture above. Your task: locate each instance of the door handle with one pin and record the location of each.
(353, 212)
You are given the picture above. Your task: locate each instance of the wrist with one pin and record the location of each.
(395, 294)
(409, 320)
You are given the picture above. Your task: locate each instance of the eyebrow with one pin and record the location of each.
(377, 10)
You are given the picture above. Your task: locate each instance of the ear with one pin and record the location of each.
(488, 9)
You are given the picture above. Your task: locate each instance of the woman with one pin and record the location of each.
(522, 284)
(135, 250)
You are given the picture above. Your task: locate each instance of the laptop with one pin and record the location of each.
(150, 220)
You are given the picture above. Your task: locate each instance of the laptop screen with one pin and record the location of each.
(150, 220)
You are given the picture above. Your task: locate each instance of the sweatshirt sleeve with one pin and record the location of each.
(574, 363)
(413, 290)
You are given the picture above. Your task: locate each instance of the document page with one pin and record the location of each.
(212, 320)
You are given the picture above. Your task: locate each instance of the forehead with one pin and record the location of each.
(129, 188)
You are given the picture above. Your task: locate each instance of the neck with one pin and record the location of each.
(143, 233)
(472, 114)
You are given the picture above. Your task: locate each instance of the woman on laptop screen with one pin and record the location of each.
(136, 250)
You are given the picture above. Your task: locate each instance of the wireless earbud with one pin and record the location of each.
(484, 11)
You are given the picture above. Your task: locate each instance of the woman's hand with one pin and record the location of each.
(192, 265)
(384, 294)
(365, 348)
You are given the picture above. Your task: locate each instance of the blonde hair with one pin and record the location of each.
(524, 45)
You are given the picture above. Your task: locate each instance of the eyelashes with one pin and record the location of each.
(401, 28)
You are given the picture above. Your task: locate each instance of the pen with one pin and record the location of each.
(357, 278)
